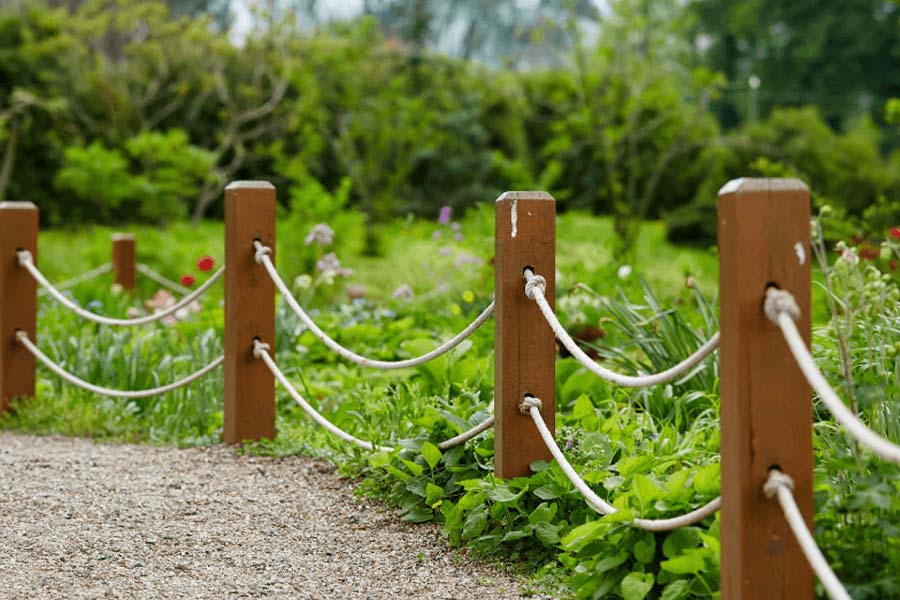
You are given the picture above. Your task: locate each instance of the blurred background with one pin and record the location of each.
(115, 111)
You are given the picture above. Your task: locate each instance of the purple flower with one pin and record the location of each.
(444, 217)
(330, 265)
(467, 259)
(458, 236)
(321, 234)
(404, 292)
(455, 226)
(436, 235)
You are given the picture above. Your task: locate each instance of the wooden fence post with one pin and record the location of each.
(524, 344)
(766, 405)
(249, 312)
(123, 259)
(18, 299)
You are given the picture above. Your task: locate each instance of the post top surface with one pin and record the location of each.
(529, 195)
(122, 236)
(17, 206)
(762, 184)
(250, 185)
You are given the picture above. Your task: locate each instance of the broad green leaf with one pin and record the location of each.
(689, 563)
(547, 533)
(503, 494)
(415, 468)
(431, 454)
(419, 515)
(706, 479)
(544, 512)
(610, 562)
(433, 493)
(636, 586)
(677, 590)
(581, 535)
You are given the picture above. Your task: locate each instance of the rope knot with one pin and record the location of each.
(780, 301)
(21, 334)
(260, 348)
(261, 251)
(535, 282)
(530, 402)
(776, 480)
(24, 257)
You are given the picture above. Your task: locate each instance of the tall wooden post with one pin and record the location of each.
(766, 405)
(524, 344)
(18, 299)
(123, 259)
(249, 312)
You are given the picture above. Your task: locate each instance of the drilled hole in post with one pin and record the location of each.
(772, 284)
(526, 269)
(774, 467)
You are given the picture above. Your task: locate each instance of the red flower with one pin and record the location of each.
(187, 280)
(895, 233)
(867, 252)
(893, 265)
(206, 263)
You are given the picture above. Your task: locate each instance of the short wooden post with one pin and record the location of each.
(18, 299)
(249, 312)
(524, 344)
(123, 259)
(766, 405)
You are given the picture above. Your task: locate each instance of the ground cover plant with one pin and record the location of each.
(650, 452)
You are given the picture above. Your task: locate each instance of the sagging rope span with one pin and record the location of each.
(26, 261)
(22, 338)
(262, 257)
(535, 287)
(261, 352)
(781, 308)
(87, 276)
(161, 280)
(532, 406)
(781, 486)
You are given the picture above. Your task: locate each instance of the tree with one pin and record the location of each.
(802, 52)
(639, 111)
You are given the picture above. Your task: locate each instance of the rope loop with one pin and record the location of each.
(261, 251)
(535, 282)
(530, 402)
(776, 480)
(25, 257)
(260, 348)
(778, 302)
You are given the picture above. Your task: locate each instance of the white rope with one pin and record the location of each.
(263, 257)
(87, 276)
(261, 352)
(26, 261)
(535, 287)
(161, 280)
(782, 486)
(22, 338)
(467, 435)
(533, 406)
(781, 308)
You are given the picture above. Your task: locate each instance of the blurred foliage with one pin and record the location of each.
(116, 111)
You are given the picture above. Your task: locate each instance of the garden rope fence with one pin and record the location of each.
(83, 278)
(532, 406)
(162, 280)
(263, 257)
(781, 486)
(26, 261)
(536, 285)
(246, 201)
(22, 338)
(781, 308)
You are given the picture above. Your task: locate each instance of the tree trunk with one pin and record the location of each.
(9, 158)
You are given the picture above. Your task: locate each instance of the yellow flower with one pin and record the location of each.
(468, 297)
(456, 310)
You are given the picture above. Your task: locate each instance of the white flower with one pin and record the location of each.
(624, 271)
(302, 282)
(329, 265)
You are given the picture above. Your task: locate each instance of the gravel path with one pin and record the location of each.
(86, 520)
